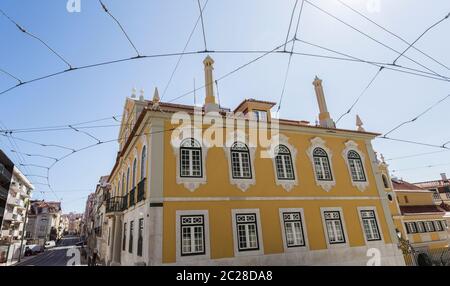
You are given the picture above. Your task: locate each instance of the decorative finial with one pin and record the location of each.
(133, 92)
(141, 96)
(155, 96)
(359, 124)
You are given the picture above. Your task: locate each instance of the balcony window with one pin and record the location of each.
(240, 161)
(283, 163)
(322, 165)
(190, 159)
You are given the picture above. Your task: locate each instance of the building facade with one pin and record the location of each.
(44, 221)
(317, 200)
(12, 236)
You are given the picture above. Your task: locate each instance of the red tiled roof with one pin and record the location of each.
(410, 210)
(400, 185)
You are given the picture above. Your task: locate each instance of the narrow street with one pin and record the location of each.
(56, 256)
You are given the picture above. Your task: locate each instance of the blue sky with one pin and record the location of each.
(155, 27)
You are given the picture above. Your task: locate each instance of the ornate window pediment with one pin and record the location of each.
(354, 159)
(283, 158)
(321, 160)
(240, 158)
(190, 156)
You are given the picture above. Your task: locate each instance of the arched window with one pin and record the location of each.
(240, 161)
(128, 180)
(143, 162)
(385, 181)
(356, 166)
(190, 158)
(133, 182)
(283, 163)
(322, 165)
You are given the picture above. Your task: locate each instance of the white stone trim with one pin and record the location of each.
(281, 139)
(351, 145)
(239, 136)
(327, 198)
(344, 228)
(190, 258)
(283, 231)
(191, 183)
(374, 209)
(319, 142)
(260, 251)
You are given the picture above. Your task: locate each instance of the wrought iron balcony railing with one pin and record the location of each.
(141, 190)
(116, 204)
(132, 196)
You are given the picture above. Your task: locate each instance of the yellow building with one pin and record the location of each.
(416, 215)
(310, 195)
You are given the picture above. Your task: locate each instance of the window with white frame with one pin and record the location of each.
(240, 161)
(133, 182)
(260, 115)
(143, 161)
(436, 195)
(293, 229)
(438, 225)
(334, 227)
(192, 235)
(429, 226)
(247, 232)
(322, 165)
(370, 225)
(356, 166)
(411, 227)
(283, 163)
(130, 240)
(190, 158)
(420, 226)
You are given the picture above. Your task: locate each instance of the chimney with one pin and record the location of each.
(210, 99)
(324, 116)
(444, 177)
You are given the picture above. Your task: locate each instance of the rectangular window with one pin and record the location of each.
(429, 226)
(357, 170)
(293, 229)
(370, 225)
(284, 167)
(240, 165)
(411, 227)
(247, 232)
(420, 227)
(438, 225)
(140, 236)
(322, 168)
(192, 235)
(260, 115)
(124, 240)
(334, 227)
(130, 241)
(191, 164)
(436, 195)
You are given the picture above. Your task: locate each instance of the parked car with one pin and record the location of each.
(33, 249)
(50, 244)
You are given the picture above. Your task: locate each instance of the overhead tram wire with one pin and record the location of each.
(11, 76)
(413, 142)
(420, 167)
(360, 95)
(286, 74)
(393, 34)
(86, 133)
(121, 27)
(182, 54)
(203, 25)
(371, 38)
(418, 116)
(37, 143)
(106, 63)
(421, 35)
(37, 38)
(232, 71)
(290, 24)
(415, 155)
